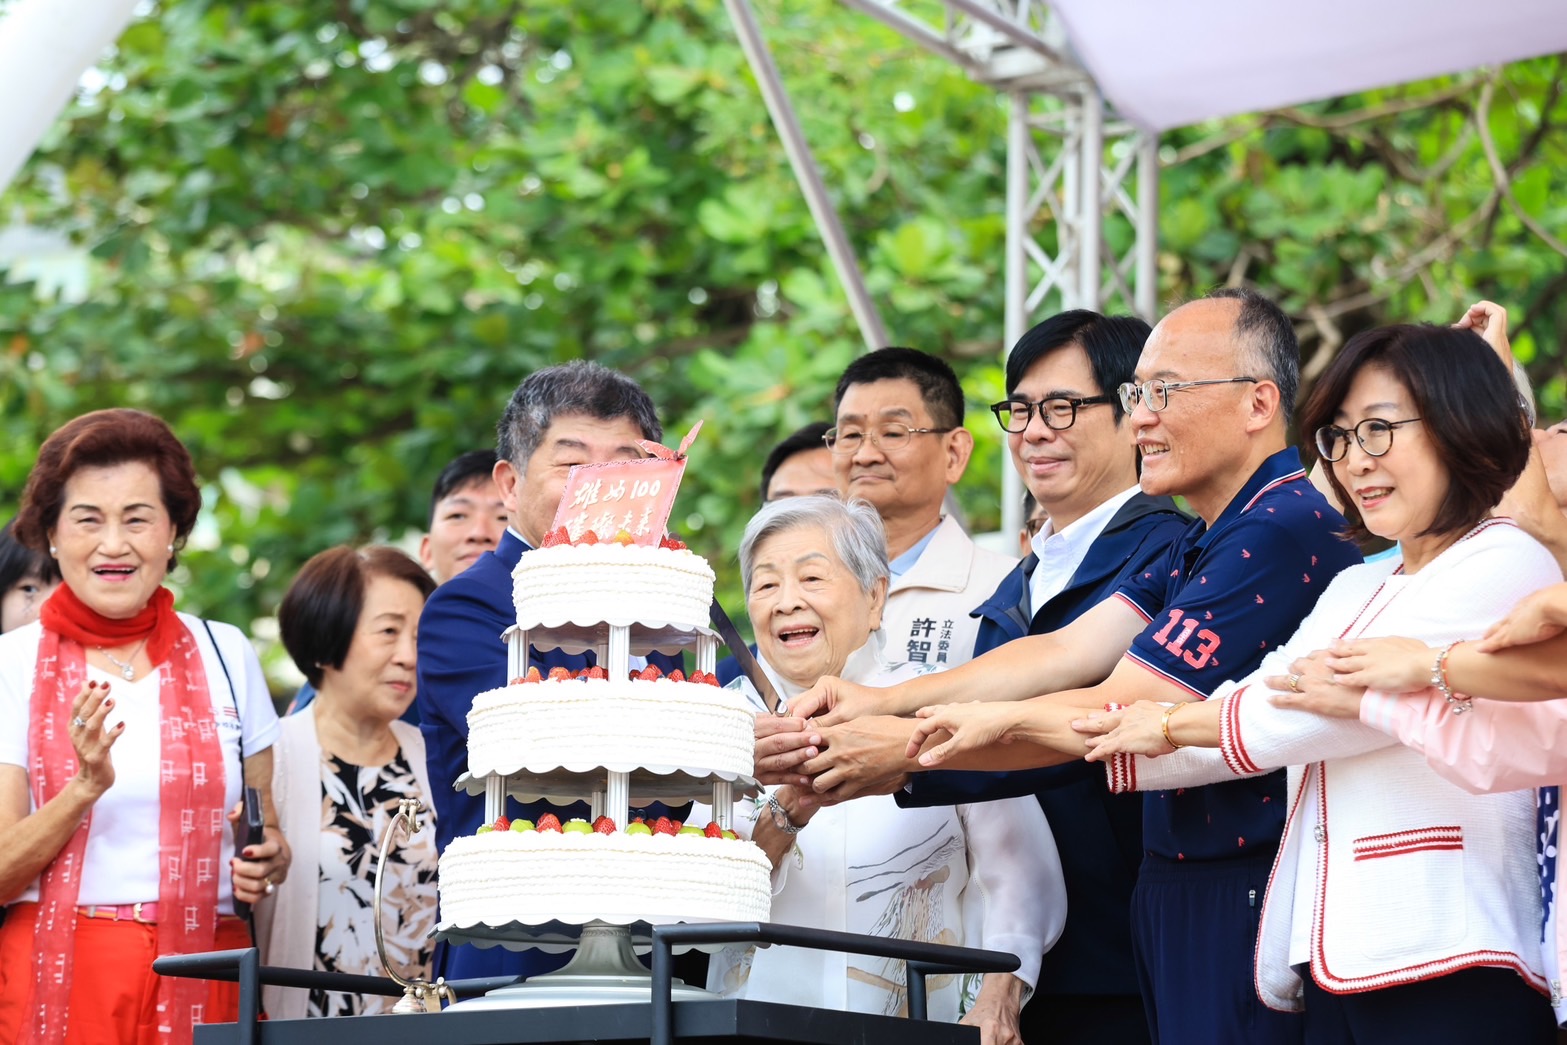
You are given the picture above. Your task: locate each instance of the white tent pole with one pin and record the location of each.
(1090, 198)
(1147, 288)
(872, 330)
(45, 46)
(1015, 308)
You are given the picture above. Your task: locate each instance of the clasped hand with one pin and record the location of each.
(831, 763)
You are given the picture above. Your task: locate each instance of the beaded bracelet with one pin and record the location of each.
(780, 816)
(1457, 702)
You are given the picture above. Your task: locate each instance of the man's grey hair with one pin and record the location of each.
(853, 527)
(578, 387)
(1269, 349)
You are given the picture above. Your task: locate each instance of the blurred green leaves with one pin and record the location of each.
(326, 240)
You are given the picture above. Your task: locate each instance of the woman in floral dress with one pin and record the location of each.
(343, 764)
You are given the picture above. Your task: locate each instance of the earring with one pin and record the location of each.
(54, 553)
(171, 549)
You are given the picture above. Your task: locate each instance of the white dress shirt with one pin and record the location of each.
(1061, 553)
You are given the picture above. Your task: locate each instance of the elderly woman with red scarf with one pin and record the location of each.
(120, 765)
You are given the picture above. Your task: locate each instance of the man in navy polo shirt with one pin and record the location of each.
(1210, 408)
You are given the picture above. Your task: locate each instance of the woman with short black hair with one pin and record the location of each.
(344, 763)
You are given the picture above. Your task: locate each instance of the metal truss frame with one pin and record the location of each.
(1082, 187)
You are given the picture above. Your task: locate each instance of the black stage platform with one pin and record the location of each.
(694, 1021)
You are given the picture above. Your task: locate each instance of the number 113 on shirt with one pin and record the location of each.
(1183, 627)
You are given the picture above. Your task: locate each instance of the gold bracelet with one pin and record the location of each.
(1164, 724)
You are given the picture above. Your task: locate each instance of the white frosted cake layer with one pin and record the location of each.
(591, 584)
(582, 724)
(540, 876)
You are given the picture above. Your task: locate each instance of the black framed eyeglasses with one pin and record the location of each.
(1374, 434)
(1057, 412)
(1156, 393)
(888, 436)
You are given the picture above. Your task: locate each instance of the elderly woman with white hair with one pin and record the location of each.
(988, 875)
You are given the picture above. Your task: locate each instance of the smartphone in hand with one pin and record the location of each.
(250, 830)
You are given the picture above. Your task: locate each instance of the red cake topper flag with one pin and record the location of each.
(632, 497)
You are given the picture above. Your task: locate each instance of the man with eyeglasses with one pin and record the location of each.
(1070, 443)
(1209, 411)
(898, 442)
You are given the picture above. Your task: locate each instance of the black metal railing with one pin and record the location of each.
(244, 967)
(920, 959)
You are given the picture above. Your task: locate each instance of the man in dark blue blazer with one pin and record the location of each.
(1087, 982)
(576, 413)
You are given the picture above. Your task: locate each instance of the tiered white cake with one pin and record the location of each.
(609, 737)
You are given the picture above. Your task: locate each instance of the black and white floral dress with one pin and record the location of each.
(357, 805)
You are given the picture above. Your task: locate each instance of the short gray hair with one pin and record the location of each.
(1268, 346)
(853, 526)
(578, 387)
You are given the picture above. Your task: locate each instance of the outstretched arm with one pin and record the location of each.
(1513, 673)
(1080, 654)
(1494, 747)
(1032, 733)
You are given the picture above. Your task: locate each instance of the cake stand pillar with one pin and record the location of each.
(619, 652)
(723, 802)
(494, 797)
(617, 803)
(517, 655)
(706, 653)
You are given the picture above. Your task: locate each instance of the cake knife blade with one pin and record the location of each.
(747, 660)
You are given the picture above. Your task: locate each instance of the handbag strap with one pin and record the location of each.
(233, 697)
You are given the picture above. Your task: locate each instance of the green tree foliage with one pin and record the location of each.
(326, 239)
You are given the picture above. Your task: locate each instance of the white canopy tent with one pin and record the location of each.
(45, 47)
(1160, 64)
(1165, 64)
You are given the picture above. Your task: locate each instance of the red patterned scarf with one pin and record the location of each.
(191, 800)
(69, 617)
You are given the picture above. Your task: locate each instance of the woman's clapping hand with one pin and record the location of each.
(89, 711)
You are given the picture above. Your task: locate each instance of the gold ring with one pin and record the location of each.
(1293, 681)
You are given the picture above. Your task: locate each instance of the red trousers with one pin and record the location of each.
(113, 988)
